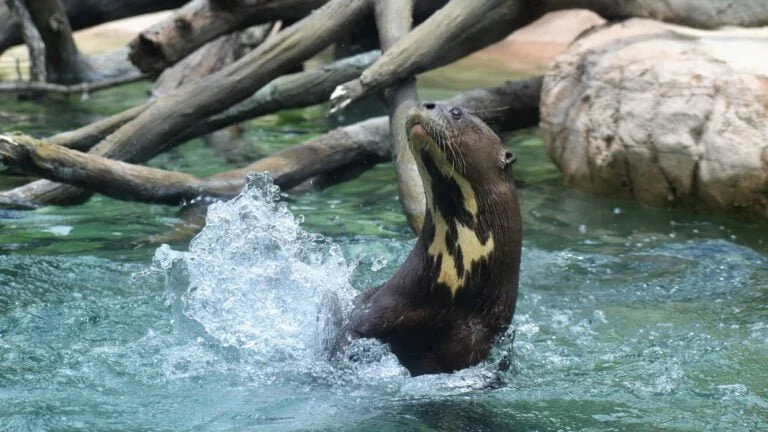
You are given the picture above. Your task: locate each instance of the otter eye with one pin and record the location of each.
(456, 113)
(509, 158)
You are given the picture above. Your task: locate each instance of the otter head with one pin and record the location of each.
(458, 145)
(466, 174)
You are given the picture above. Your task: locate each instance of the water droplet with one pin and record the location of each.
(378, 264)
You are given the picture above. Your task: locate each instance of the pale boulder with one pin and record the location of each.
(663, 114)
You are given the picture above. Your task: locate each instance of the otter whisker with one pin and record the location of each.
(491, 109)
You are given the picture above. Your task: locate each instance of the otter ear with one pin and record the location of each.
(509, 159)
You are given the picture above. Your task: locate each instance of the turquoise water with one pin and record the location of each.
(630, 318)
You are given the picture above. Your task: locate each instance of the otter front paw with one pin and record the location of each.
(345, 94)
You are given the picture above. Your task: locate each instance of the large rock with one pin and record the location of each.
(663, 114)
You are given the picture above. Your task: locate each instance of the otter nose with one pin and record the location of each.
(429, 105)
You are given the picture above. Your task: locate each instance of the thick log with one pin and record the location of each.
(159, 124)
(131, 182)
(394, 22)
(111, 178)
(63, 62)
(365, 143)
(83, 14)
(200, 21)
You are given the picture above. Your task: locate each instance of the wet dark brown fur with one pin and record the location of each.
(456, 292)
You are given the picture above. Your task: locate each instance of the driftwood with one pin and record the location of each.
(83, 14)
(365, 143)
(200, 21)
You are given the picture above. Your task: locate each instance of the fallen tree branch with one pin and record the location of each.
(131, 182)
(394, 21)
(170, 115)
(366, 142)
(200, 21)
(96, 173)
(212, 57)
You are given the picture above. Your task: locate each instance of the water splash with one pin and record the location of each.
(254, 280)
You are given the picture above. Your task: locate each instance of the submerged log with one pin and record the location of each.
(200, 21)
(367, 142)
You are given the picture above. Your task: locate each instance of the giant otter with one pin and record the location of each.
(456, 291)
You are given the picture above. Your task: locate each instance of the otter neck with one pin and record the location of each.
(455, 235)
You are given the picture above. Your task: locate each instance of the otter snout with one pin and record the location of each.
(419, 119)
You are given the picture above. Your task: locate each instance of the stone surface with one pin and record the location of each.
(663, 114)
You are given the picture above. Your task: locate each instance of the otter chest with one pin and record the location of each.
(457, 244)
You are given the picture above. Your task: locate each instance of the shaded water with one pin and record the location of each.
(630, 318)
